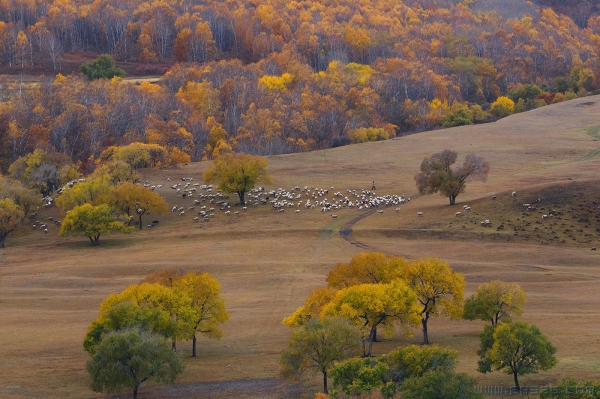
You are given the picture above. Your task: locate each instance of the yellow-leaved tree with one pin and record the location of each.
(365, 268)
(313, 307)
(10, 218)
(204, 309)
(368, 306)
(129, 199)
(237, 173)
(439, 289)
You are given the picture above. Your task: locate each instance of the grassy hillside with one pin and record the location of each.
(267, 261)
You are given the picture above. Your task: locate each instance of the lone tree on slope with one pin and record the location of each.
(437, 174)
(237, 173)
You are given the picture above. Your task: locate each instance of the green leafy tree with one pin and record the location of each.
(459, 115)
(495, 301)
(128, 358)
(92, 221)
(317, 345)
(237, 173)
(437, 174)
(516, 348)
(387, 372)
(369, 306)
(203, 309)
(436, 384)
(415, 360)
(439, 289)
(10, 218)
(102, 67)
(130, 199)
(360, 376)
(154, 307)
(124, 315)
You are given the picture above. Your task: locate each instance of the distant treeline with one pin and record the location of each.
(272, 77)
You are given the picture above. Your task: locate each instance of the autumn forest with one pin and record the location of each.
(275, 77)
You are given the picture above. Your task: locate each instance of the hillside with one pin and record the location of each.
(277, 77)
(267, 261)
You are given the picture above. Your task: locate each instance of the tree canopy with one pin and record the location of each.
(102, 67)
(10, 218)
(92, 221)
(437, 174)
(388, 372)
(132, 199)
(237, 173)
(44, 172)
(516, 348)
(128, 358)
(368, 306)
(438, 288)
(495, 301)
(203, 309)
(317, 345)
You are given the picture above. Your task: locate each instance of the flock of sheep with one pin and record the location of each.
(207, 201)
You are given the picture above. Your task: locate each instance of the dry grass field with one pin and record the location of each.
(267, 262)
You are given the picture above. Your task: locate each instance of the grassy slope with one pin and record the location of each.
(267, 262)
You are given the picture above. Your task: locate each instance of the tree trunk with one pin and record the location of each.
(325, 391)
(424, 325)
(92, 240)
(135, 389)
(194, 346)
(452, 199)
(516, 380)
(2, 239)
(174, 344)
(97, 240)
(371, 336)
(242, 200)
(140, 221)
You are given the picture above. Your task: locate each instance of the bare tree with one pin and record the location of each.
(437, 174)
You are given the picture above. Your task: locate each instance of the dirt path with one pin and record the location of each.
(259, 388)
(346, 231)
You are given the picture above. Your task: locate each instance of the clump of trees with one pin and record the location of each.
(129, 340)
(374, 291)
(411, 371)
(438, 176)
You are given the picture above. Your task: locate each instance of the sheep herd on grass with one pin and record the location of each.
(207, 200)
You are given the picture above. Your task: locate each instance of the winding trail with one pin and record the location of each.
(346, 230)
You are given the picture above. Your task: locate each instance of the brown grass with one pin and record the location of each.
(267, 262)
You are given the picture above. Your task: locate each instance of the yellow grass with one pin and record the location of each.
(267, 262)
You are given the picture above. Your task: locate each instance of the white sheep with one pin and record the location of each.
(419, 213)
